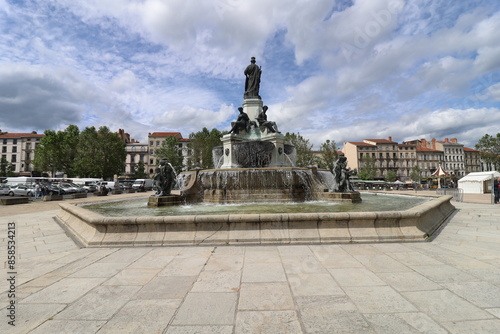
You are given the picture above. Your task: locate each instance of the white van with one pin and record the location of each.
(146, 183)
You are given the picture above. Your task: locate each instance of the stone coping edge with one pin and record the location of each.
(91, 229)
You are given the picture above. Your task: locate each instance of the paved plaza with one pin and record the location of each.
(448, 285)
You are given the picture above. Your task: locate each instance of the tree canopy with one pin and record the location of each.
(89, 153)
(489, 148)
(170, 150)
(303, 149)
(329, 154)
(202, 144)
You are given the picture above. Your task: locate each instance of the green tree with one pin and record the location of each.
(140, 171)
(57, 150)
(391, 176)
(416, 174)
(303, 149)
(100, 153)
(367, 171)
(489, 148)
(329, 154)
(6, 168)
(170, 150)
(202, 144)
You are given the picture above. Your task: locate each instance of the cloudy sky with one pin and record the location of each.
(343, 70)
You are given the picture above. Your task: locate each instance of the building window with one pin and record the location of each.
(157, 143)
(14, 149)
(5, 141)
(4, 149)
(13, 158)
(14, 141)
(151, 143)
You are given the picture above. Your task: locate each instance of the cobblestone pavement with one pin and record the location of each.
(448, 285)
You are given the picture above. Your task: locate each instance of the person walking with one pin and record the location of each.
(496, 189)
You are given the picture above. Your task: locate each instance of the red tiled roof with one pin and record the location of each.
(165, 134)
(382, 141)
(470, 149)
(359, 143)
(20, 135)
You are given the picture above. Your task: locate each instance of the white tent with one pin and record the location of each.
(477, 183)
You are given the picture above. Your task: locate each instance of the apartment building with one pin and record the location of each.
(155, 140)
(19, 149)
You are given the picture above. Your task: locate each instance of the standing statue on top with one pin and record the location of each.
(163, 179)
(341, 174)
(252, 81)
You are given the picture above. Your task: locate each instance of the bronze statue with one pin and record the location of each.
(341, 174)
(163, 179)
(264, 123)
(242, 122)
(252, 81)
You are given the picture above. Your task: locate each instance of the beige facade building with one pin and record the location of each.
(19, 149)
(386, 154)
(155, 140)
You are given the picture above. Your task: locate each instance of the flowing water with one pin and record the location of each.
(371, 202)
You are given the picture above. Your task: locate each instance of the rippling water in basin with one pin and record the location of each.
(371, 202)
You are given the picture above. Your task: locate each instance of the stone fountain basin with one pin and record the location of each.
(91, 229)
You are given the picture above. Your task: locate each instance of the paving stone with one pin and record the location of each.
(218, 281)
(69, 326)
(142, 316)
(482, 294)
(381, 263)
(99, 304)
(125, 255)
(333, 256)
(225, 262)
(99, 269)
(410, 281)
(132, 276)
(259, 254)
(207, 308)
(373, 299)
(200, 330)
(263, 272)
(167, 287)
(314, 285)
(355, 277)
(265, 296)
(29, 316)
(331, 314)
(265, 322)
(403, 323)
(64, 291)
(491, 326)
(181, 266)
(444, 273)
(445, 306)
(300, 264)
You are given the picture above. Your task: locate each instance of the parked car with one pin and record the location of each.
(21, 190)
(4, 189)
(54, 189)
(146, 184)
(90, 188)
(67, 188)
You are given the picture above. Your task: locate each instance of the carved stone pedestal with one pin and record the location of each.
(353, 197)
(155, 201)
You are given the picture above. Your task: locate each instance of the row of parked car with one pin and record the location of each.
(52, 189)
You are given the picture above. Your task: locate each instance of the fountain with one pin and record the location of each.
(254, 164)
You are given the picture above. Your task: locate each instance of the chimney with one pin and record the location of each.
(454, 140)
(433, 143)
(446, 140)
(423, 142)
(390, 138)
